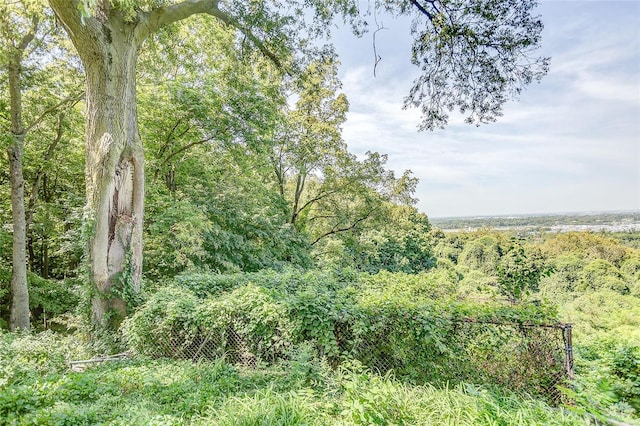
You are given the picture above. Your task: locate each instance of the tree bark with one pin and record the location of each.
(19, 317)
(114, 173)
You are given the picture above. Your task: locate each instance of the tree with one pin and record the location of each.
(396, 240)
(108, 36)
(327, 189)
(474, 55)
(310, 151)
(16, 40)
(207, 126)
(42, 91)
(223, 99)
(519, 271)
(470, 52)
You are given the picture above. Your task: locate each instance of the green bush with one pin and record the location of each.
(399, 321)
(257, 319)
(437, 284)
(608, 377)
(174, 321)
(47, 298)
(23, 357)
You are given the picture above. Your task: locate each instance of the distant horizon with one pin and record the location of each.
(548, 214)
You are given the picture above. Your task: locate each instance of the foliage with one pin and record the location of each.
(249, 311)
(302, 391)
(473, 55)
(329, 194)
(47, 298)
(493, 43)
(175, 236)
(518, 272)
(409, 321)
(567, 271)
(211, 201)
(398, 241)
(299, 315)
(24, 357)
(52, 159)
(607, 379)
(588, 246)
(594, 280)
(482, 253)
(379, 400)
(407, 289)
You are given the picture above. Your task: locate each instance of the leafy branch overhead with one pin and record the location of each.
(473, 55)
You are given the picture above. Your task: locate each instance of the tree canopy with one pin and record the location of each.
(473, 55)
(219, 84)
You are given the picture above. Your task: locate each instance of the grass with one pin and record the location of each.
(36, 388)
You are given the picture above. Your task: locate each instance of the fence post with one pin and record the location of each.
(568, 350)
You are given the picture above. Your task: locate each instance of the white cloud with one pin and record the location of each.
(570, 143)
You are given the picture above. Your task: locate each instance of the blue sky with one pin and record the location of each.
(570, 143)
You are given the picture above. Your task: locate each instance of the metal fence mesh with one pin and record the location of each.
(523, 357)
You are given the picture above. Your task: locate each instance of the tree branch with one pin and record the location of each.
(324, 194)
(163, 16)
(184, 148)
(338, 230)
(79, 30)
(167, 15)
(232, 22)
(422, 9)
(170, 137)
(28, 38)
(40, 173)
(70, 100)
(14, 68)
(300, 182)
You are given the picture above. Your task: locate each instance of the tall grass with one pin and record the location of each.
(301, 392)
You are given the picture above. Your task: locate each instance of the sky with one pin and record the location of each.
(570, 143)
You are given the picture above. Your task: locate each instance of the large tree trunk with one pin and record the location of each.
(108, 43)
(114, 174)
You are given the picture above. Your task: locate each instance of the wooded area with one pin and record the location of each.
(171, 155)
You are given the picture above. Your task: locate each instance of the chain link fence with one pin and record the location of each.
(528, 358)
(533, 359)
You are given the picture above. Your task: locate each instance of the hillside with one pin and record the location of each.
(338, 346)
(610, 222)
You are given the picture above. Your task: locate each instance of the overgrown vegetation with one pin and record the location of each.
(289, 318)
(259, 221)
(406, 323)
(303, 390)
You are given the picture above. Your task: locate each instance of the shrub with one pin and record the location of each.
(47, 298)
(388, 321)
(519, 272)
(176, 323)
(23, 357)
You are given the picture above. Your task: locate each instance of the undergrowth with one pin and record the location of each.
(302, 391)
